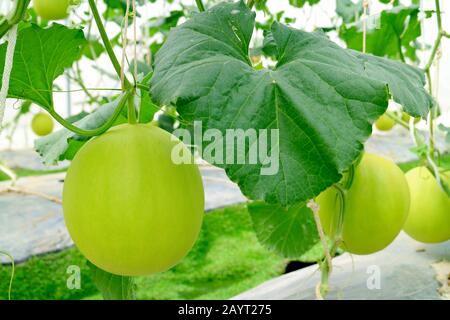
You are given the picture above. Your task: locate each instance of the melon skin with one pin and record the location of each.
(128, 207)
(376, 207)
(429, 215)
(42, 124)
(52, 9)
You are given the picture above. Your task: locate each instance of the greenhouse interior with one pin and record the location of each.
(213, 150)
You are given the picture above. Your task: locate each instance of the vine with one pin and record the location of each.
(107, 43)
(200, 5)
(17, 15)
(94, 132)
(326, 266)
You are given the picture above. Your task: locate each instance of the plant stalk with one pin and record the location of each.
(342, 191)
(200, 5)
(94, 132)
(434, 51)
(441, 33)
(107, 43)
(438, 13)
(16, 17)
(400, 52)
(326, 265)
(131, 110)
(397, 119)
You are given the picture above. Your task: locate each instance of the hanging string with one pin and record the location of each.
(124, 44)
(135, 41)
(11, 38)
(365, 7)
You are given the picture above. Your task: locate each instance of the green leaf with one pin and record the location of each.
(74, 146)
(92, 49)
(269, 45)
(394, 3)
(112, 287)
(289, 232)
(315, 254)
(40, 57)
(142, 67)
(147, 108)
(166, 122)
(319, 97)
(348, 10)
(165, 23)
(77, 117)
(301, 3)
(115, 10)
(52, 148)
(393, 36)
(446, 131)
(261, 5)
(25, 107)
(406, 83)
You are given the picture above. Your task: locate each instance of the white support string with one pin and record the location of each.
(124, 43)
(365, 9)
(11, 38)
(135, 41)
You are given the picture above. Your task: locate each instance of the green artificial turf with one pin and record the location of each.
(226, 260)
(45, 277)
